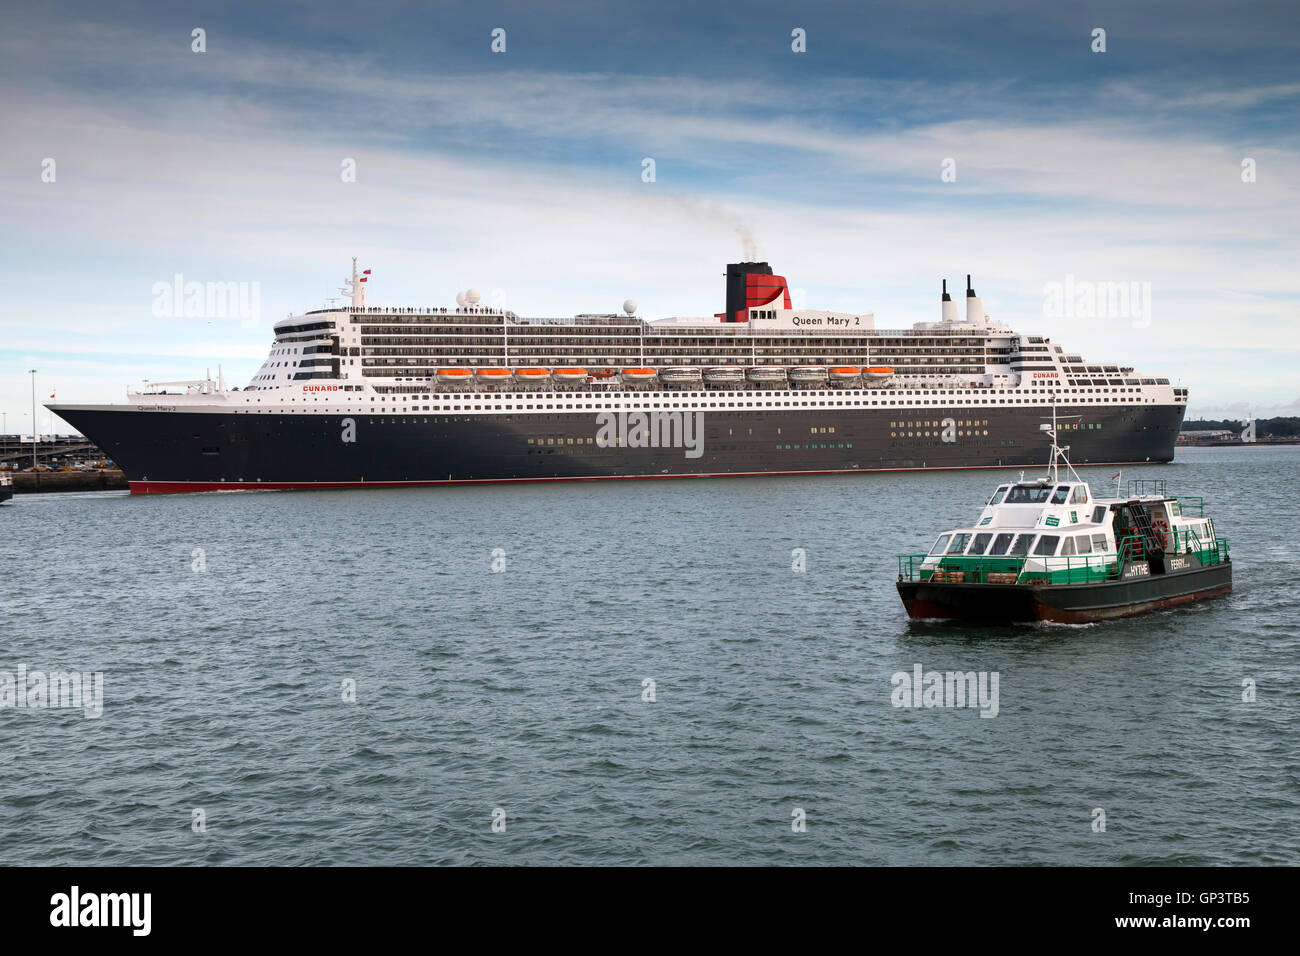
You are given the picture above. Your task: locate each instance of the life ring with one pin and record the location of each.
(1161, 528)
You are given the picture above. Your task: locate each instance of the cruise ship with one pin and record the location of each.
(363, 396)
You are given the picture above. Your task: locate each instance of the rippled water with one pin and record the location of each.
(522, 690)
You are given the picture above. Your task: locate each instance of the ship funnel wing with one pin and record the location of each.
(947, 306)
(974, 307)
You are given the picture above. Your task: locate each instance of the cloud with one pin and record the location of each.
(226, 167)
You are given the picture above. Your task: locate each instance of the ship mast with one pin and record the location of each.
(356, 289)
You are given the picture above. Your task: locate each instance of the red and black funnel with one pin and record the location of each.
(751, 284)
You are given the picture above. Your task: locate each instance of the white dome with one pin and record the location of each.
(629, 306)
(472, 296)
(460, 298)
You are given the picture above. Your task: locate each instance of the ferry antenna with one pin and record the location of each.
(1058, 453)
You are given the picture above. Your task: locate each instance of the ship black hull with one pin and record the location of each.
(1064, 603)
(174, 451)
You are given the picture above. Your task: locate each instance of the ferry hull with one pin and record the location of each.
(181, 450)
(1064, 603)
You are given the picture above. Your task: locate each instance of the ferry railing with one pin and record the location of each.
(1185, 541)
(1210, 551)
(1138, 487)
(909, 566)
(1062, 569)
(1075, 569)
(1187, 502)
(1130, 548)
(984, 569)
(958, 569)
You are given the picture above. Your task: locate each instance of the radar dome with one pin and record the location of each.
(629, 306)
(460, 298)
(472, 296)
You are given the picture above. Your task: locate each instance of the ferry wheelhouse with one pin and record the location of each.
(1049, 549)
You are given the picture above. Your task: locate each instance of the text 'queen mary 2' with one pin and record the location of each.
(362, 396)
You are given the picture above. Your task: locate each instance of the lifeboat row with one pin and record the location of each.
(504, 376)
(676, 375)
(767, 374)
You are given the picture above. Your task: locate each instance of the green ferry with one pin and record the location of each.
(1050, 550)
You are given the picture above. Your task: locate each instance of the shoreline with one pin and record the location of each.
(36, 482)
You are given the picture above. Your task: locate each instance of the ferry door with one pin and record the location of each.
(1161, 525)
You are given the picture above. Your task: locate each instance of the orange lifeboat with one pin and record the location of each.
(639, 374)
(845, 373)
(493, 374)
(532, 376)
(455, 376)
(878, 371)
(569, 376)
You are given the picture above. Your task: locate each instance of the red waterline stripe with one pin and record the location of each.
(188, 487)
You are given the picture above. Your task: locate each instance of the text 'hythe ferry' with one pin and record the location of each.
(361, 396)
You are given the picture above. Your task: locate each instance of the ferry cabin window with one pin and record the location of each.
(1021, 547)
(1047, 544)
(1062, 493)
(999, 495)
(1028, 494)
(980, 544)
(1080, 495)
(959, 542)
(1001, 543)
(1099, 543)
(1068, 547)
(941, 544)
(1098, 514)
(1082, 544)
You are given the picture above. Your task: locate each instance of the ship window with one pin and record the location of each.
(1028, 494)
(1099, 543)
(1098, 514)
(1047, 544)
(1068, 547)
(941, 544)
(1080, 495)
(1000, 544)
(1062, 493)
(980, 544)
(1021, 547)
(1082, 544)
(959, 542)
(997, 495)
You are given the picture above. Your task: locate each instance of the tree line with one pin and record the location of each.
(1283, 427)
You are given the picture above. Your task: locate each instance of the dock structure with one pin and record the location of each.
(53, 451)
(63, 463)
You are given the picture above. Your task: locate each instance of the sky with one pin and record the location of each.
(905, 143)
